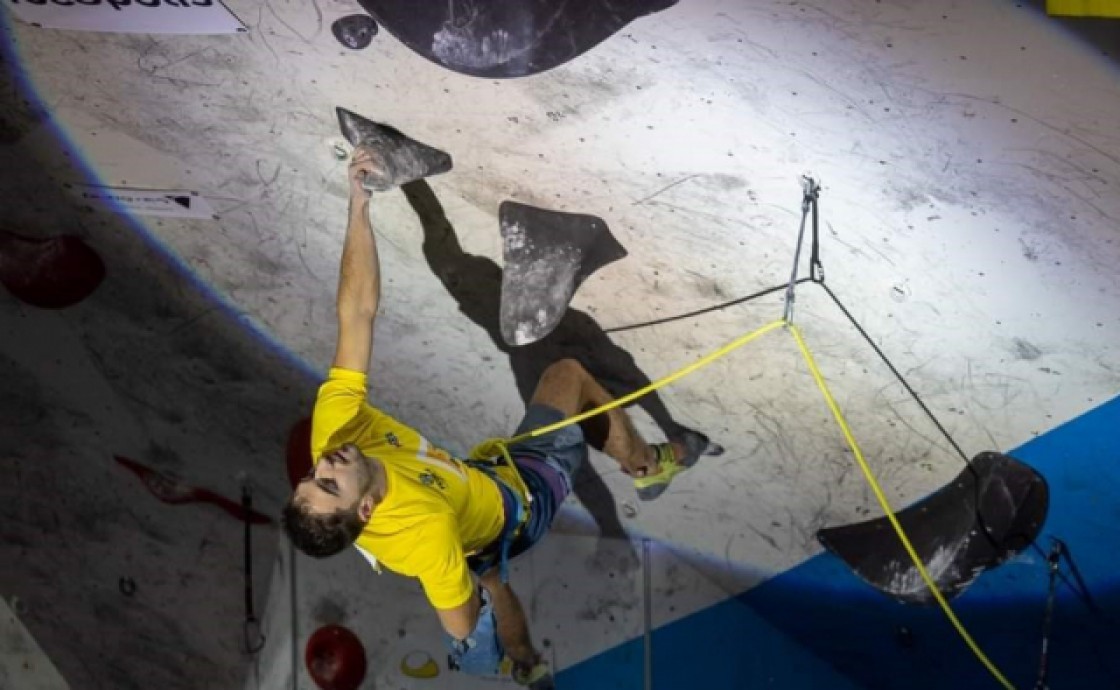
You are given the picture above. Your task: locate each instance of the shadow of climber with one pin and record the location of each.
(475, 283)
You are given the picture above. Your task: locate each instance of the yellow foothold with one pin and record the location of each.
(419, 665)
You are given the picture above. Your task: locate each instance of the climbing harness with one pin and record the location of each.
(515, 514)
(517, 501)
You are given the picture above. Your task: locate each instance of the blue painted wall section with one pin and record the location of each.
(799, 629)
(724, 646)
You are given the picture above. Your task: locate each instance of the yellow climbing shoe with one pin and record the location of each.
(653, 485)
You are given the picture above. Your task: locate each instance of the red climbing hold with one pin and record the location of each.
(49, 273)
(335, 658)
(299, 451)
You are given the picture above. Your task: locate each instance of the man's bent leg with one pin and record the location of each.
(567, 387)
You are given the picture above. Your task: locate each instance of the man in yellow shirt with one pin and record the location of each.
(417, 510)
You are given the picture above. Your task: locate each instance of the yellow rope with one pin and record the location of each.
(890, 513)
(492, 448)
(499, 447)
(733, 345)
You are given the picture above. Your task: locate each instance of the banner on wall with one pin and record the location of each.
(145, 202)
(1083, 8)
(129, 16)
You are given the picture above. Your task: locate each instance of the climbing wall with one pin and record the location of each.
(966, 156)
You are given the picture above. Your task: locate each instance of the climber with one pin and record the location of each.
(421, 512)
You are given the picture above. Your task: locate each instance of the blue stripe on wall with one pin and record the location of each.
(724, 646)
(799, 629)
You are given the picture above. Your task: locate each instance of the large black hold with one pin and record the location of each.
(506, 38)
(404, 159)
(548, 254)
(993, 510)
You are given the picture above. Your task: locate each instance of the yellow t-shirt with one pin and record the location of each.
(436, 509)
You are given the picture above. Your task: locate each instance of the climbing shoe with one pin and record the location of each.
(538, 677)
(653, 485)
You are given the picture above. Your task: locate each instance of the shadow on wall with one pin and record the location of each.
(120, 589)
(475, 282)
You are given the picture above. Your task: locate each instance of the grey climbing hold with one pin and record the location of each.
(548, 255)
(402, 159)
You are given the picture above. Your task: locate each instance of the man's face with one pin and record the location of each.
(340, 479)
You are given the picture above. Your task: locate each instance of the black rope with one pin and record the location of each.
(1086, 596)
(816, 271)
(898, 375)
(1060, 550)
(1053, 561)
(1080, 588)
(705, 310)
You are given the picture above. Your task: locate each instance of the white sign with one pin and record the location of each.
(129, 16)
(145, 202)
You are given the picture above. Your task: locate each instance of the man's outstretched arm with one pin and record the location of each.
(359, 280)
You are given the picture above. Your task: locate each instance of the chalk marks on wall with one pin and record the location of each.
(506, 38)
(163, 203)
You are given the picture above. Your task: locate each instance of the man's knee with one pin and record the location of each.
(565, 369)
(561, 386)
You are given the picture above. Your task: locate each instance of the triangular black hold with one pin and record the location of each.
(184, 201)
(993, 510)
(548, 254)
(404, 159)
